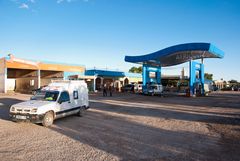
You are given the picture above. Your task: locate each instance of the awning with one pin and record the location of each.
(177, 54)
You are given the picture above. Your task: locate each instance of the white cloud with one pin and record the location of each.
(69, 1)
(32, 1)
(59, 1)
(24, 6)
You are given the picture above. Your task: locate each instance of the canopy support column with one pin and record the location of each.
(201, 73)
(196, 82)
(145, 75)
(158, 75)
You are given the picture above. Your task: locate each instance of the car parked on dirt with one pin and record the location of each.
(58, 99)
(138, 88)
(128, 88)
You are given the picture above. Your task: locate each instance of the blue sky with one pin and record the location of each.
(101, 32)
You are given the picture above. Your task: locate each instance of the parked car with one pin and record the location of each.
(128, 88)
(153, 89)
(226, 89)
(236, 88)
(58, 99)
(138, 88)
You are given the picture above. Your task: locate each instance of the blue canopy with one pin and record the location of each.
(177, 54)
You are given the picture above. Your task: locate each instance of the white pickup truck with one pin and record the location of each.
(58, 99)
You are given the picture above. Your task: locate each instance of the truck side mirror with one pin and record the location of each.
(60, 101)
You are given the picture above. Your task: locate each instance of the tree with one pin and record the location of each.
(135, 70)
(233, 81)
(208, 76)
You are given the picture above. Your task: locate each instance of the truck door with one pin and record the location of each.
(64, 101)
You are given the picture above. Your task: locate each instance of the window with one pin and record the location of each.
(64, 97)
(75, 94)
(32, 82)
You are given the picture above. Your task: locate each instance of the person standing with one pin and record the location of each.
(104, 90)
(111, 89)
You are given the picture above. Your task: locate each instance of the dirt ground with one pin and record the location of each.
(130, 127)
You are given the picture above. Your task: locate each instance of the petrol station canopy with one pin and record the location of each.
(177, 54)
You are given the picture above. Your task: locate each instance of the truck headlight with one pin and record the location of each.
(12, 108)
(34, 110)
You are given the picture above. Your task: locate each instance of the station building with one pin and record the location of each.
(96, 78)
(23, 76)
(220, 84)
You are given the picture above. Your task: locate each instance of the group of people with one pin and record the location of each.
(107, 88)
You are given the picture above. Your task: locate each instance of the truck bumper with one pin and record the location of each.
(26, 117)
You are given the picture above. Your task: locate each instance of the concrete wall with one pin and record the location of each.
(11, 84)
(2, 76)
(23, 85)
(46, 81)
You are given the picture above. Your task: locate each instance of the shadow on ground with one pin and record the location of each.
(5, 104)
(130, 140)
(214, 100)
(134, 141)
(171, 113)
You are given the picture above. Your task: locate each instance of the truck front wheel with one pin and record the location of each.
(82, 111)
(48, 119)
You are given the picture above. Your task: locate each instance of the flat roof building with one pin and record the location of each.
(96, 78)
(23, 75)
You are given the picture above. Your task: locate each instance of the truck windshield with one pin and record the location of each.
(46, 96)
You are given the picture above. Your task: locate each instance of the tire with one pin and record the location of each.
(48, 119)
(81, 112)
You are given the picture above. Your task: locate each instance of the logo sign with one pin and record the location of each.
(188, 56)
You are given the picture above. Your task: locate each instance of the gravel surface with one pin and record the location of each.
(130, 127)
